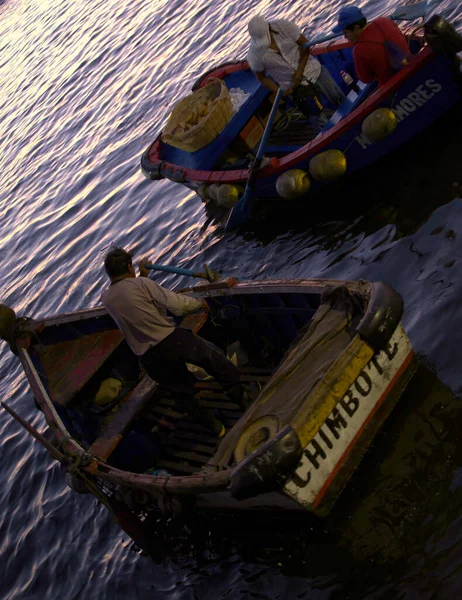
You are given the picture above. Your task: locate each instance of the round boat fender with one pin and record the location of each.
(269, 466)
(12, 328)
(255, 435)
(441, 36)
(135, 499)
(7, 322)
(383, 314)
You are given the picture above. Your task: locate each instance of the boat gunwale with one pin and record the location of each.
(247, 287)
(422, 58)
(158, 485)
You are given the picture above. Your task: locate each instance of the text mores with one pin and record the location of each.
(413, 101)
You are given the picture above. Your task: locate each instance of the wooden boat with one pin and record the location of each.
(298, 161)
(331, 359)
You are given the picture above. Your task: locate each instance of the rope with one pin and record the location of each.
(74, 467)
(221, 312)
(16, 330)
(80, 459)
(64, 440)
(291, 115)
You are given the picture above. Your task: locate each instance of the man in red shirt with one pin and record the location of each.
(380, 47)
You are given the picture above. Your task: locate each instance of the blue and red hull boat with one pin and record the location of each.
(368, 125)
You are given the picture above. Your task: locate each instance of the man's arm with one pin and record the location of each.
(304, 55)
(178, 304)
(266, 81)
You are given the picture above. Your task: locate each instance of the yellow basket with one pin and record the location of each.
(200, 117)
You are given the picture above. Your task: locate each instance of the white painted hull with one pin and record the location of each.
(344, 429)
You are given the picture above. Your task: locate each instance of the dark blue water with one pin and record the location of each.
(84, 88)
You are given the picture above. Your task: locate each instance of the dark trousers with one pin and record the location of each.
(166, 364)
(325, 85)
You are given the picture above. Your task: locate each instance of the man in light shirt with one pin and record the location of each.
(139, 307)
(278, 58)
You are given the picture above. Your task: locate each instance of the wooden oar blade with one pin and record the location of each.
(320, 39)
(410, 12)
(240, 212)
(169, 269)
(180, 271)
(406, 12)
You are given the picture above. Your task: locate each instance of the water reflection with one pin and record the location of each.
(86, 86)
(407, 478)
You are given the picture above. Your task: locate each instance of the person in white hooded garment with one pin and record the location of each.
(278, 58)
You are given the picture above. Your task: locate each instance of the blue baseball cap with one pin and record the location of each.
(347, 16)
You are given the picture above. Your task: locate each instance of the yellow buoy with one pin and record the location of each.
(328, 165)
(229, 194)
(213, 191)
(293, 184)
(203, 192)
(108, 391)
(380, 123)
(7, 318)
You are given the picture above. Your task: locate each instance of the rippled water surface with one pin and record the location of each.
(84, 88)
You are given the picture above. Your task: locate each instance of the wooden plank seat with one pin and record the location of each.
(122, 418)
(295, 135)
(190, 445)
(194, 437)
(166, 411)
(351, 101)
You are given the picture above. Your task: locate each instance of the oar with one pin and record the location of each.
(241, 211)
(38, 436)
(208, 273)
(408, 12)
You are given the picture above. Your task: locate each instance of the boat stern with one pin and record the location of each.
(333, 452)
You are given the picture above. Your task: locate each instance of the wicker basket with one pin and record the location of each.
(200, 117)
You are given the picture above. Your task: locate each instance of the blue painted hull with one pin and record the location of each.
(419, 102)
(418, 95)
